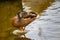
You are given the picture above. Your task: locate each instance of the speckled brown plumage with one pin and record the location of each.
(24, 20)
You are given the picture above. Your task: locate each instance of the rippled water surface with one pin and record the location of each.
(49, 22)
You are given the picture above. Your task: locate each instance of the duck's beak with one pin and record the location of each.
(37, 16)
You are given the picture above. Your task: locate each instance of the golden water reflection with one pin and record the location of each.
(31, 35)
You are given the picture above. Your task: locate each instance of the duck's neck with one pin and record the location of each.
(19, 16)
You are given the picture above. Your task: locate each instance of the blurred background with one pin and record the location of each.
(9, 8)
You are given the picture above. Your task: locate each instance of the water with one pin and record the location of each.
(49, 22)
(39, 5)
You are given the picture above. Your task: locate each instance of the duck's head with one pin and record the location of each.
(26, 14)
(32, 14)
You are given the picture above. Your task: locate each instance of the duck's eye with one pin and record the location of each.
(32, 12)
(27, 17)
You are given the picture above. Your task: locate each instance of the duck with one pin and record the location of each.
(22, 19)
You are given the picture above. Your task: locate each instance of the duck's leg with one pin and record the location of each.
(23, 28)
(24, 36)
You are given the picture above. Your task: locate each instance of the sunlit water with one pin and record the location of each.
(49, 22)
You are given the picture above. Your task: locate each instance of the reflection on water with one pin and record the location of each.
(30, 35)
